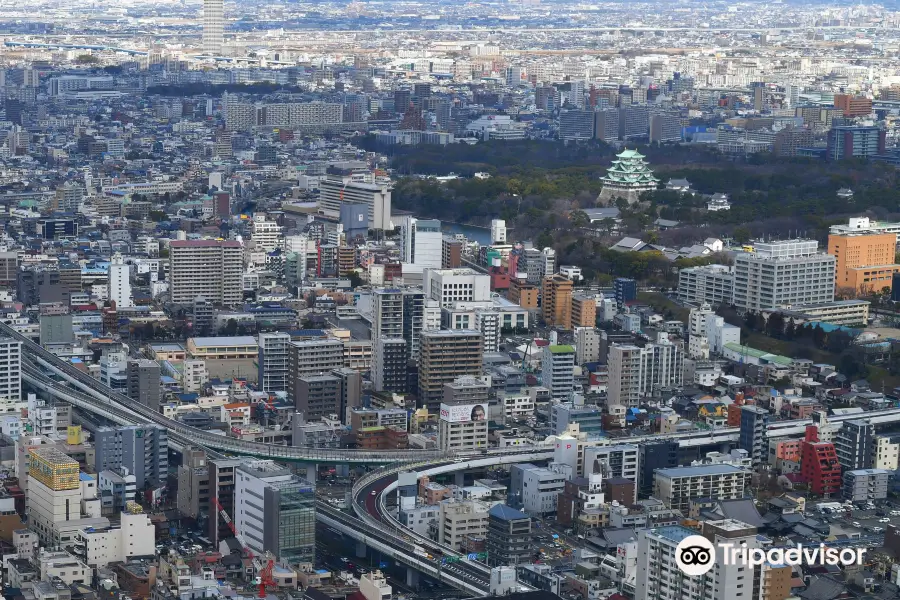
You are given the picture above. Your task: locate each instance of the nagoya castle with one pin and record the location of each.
(628, 177)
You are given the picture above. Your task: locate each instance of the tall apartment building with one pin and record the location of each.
(389, 365)
(617, 461)
(318, 396)
(853, 444)
(213, 27)
(853, 106)
(120, 282)
(314, 357)
(336, 190)
(267, 234)
(556, 301)
(463, 421)
(710, 284)
(864, 262)
(584, 310)
(275, 511)
(193, 483)
(421, 243)
(819, 466)
(635, 372)
(11, 364)
(783, 273)
(445, 356)
(660, 578)
(865, 485)
(142, 449)
(211, 269)
(451, 253)
(575, 125)
(274, 351)
(677, 487)
(558, 370)
(587, 345)
(459, 519)
(753, 435)
(403, 314)
(143, 381)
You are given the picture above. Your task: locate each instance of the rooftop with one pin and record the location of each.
(700, 470)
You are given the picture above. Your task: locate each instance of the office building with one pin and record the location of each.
(621, 461)
(588, 417)
(463, 421)
(11, 376)
(275, 511)
(625, 290)
(660, 578)
(865, 485)
(318, 397)
(753, 435)
(508, 537)
(54, 492)
(142, 449)
(213, 27)
(389, 365)
(677, 487)
(855, 141)
(540, 490)
(556, 301)
(853, 444)
(864, 262)
(653, 456)
(451, 253)
(498, 231)
(314, 357)
(853, 106)
(783, 273)
(459, 520)
(576, 125)
(120, 282)
(445, 356)
(209, 269)
(665, 127)
(143, 382)
(635, 372)
(421, 243)
(558, 370)
(709, 284)
(449, 286)
(274, 357)
(193, 483)
(335, 190)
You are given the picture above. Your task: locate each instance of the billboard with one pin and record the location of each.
(463, 413)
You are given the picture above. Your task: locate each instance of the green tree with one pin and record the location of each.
(579, 219)
(741, 235)
(231, 327)
(87, 59)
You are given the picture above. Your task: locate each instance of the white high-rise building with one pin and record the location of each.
(421, 243)
(267, 234)
(449, 286)
(213, 27)
(120, 282)
(498, 231)
(781, 274)
(558, 370)
(635, 372)
(11, 358)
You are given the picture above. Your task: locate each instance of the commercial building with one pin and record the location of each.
(143, 382)
(783, 273)
(584, 310)
(11, 375)
(142, 449)
(677, 487)
(335, 190)
(318, 396)
(617, 461)
(508, 537)
(635, 372)
(445, 356)
(588, 417)
(556, 301)
(708, 284)
(210, 269)
(274, 352)
(389, 365)
(864, 262)
(449, 286)
(120, 282)
(558, 370)
(135, 536)
(540, 490)
(54, 492)
(654, 456)
(461, 519)
(855, 141)
(853, 106)
(587, 345)
(275, 511)
(625, 289)
(421, 243)
(853, 444)
(213, 27)
(866, 485)
(463, 420)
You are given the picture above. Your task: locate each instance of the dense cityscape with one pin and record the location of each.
(533, 299)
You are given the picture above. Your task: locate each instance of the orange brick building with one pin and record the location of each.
(523, 293)
(584, 311)
(864, 263)
(556, 301)
(853, 106)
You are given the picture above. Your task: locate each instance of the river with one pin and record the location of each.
(482, 235)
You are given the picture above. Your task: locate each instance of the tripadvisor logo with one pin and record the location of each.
(696, 555)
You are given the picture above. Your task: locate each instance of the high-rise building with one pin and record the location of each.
(11, 379)
(661, 454)
(275, 511)
(584, 310)
(318, 396)
(54, 492)
(266, 233)
(143, 381)
(463, 420)
(853, 106)
(273, 361)
(864, 262)
(558, 370)
(421, 242)
(710, 284)
(445, 356)
(451, 253)
(211, 269)
(556, 301)
(587, 345)
(783, 273)
(626, 290)
(449, 286)
(677, 487)
(120, 282)
(576, 125)
(334, 190)
(665, 127)
(753, 435)
(866, 485)
(142, 449)
(855, 141)
(853, 444)
(498, 231)
(635, 372)
(313, 357)
(213, 27)
(508, 537)
(389, 362)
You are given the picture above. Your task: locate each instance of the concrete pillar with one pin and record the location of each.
(412, 578)
(460, 478)
(360, 549)
(311, 471)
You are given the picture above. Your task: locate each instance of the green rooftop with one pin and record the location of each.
(760, 354)
(562, 349)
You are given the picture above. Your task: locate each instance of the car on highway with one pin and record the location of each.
(374, 493)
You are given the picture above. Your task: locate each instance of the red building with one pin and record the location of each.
(820, 468)
(499, 278)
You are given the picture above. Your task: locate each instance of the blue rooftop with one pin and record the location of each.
(502, 511)
(82, 476)
(675, 533)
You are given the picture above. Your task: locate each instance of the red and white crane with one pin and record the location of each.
(265, 565)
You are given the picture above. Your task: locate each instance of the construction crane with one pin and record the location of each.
(265, 566)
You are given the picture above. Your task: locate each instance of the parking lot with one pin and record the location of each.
(868, 521)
